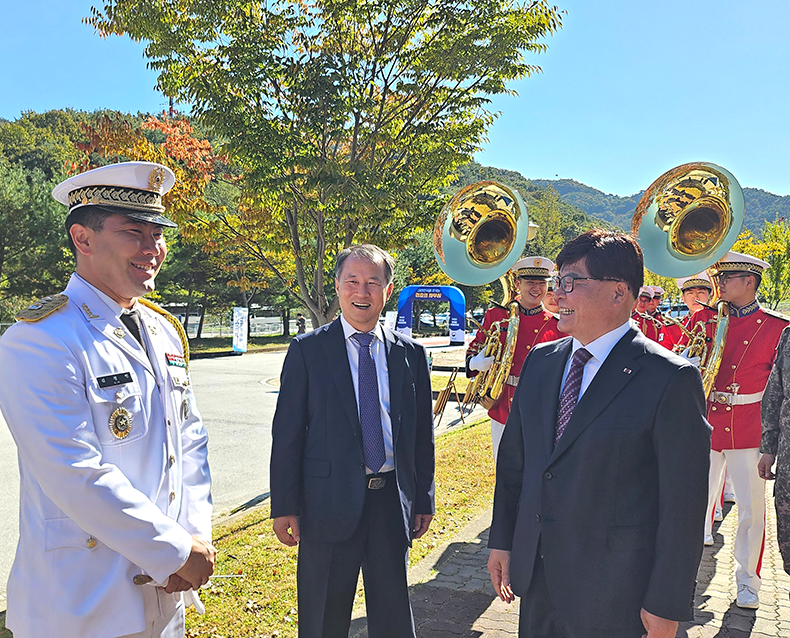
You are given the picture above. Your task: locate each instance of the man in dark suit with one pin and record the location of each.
(352, 457)
(600, 500)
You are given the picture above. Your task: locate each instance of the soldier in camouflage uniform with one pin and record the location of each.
(775, 442)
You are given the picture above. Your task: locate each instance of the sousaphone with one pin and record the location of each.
(686, 221)
(479, 234)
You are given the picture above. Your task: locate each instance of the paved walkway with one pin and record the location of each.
(452, 595)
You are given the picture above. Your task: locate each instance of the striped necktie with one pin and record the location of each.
(570, 393)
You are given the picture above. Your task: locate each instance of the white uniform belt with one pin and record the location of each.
(735, 399)
(512, 380)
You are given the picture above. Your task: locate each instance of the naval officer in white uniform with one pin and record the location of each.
(115, 503)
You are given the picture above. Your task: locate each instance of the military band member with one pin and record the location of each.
(115, 504)
(669, 333)
(734, 411)
(536, 325)
(655, 302)
(548, 302)
(696, 292)
(649, 325)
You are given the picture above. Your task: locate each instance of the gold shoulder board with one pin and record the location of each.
(42, 308)
(778, 315)
(182, 335)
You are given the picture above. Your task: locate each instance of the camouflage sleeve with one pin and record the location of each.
(773, 399)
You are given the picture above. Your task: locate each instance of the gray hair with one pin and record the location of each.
(370, 253)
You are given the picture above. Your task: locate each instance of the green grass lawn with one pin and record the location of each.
(225, 344)
(263, 602)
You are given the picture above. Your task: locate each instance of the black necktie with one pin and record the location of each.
(131, 320)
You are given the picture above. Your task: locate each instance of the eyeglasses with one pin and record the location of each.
(724, 277)
(567, 282)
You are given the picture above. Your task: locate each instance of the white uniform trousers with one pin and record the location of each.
(497, 429)
(749, 490)
(164, 614)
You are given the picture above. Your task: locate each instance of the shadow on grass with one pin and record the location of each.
(4, 633)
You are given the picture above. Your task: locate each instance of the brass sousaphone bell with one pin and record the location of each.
(686, 221)
(479, 234)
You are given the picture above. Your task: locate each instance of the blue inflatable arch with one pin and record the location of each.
(433, 293)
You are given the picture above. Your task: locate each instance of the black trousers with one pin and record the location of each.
(539, 617)
(327, 574)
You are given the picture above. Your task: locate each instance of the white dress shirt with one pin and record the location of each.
(379, 353)
(599, 349)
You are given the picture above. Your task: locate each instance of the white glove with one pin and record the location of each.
(480, 362)
(695, 361)
(192, 598)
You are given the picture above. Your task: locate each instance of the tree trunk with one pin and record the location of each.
(285, 317)
(186, 317)
(202, 318)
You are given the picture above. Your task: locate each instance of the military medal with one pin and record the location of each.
(121, 423)
(185, 409)
(175, 360)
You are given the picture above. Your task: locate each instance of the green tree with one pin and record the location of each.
(775, 286)
(44, 141)
(34, 260)
(344, 118)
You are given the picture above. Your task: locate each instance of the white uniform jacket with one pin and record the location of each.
(97, 509)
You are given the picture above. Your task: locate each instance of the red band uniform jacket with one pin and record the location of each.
(534, 327)
(747, 360)
(650, 327)
(672, 333)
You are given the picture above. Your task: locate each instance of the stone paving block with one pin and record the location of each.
(459, 602)
(765, 626)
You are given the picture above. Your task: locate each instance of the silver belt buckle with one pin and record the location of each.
(377, 482)
(723, 398)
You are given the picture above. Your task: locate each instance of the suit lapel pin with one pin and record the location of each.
(119, 333)
(627, 370)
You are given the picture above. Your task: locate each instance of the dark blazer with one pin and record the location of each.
(619, 505)
(317, 462)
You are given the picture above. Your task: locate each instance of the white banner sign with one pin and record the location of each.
(240, 329)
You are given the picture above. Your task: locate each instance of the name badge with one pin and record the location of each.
(114, 379)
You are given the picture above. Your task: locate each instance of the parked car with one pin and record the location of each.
(675, 311)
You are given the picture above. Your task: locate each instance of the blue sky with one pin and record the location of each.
(628, 90)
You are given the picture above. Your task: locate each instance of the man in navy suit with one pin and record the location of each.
(352, 457)
(602, 473)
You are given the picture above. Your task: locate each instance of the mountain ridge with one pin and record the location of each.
(760, 205)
